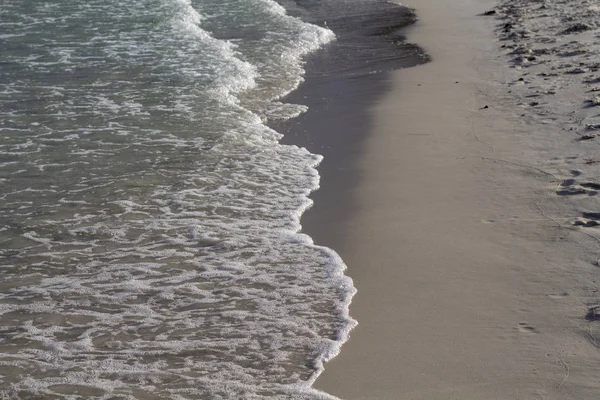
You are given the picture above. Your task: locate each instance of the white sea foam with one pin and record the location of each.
(150, 241)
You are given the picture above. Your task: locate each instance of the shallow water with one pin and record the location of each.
(149, 219)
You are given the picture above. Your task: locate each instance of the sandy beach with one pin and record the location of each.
(474, 278)
(300, 199)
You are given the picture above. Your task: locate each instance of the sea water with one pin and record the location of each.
(150, 244)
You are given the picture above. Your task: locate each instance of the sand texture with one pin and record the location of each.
(473, 241)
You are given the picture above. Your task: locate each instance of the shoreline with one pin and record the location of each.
(337, 122)
(467, 286)
(339, 88)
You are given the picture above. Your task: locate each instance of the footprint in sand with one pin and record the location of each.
(575, 172)
(570, 187)
(524, 327)
(559, 296)
(591, 185)
(593, 314)
(588, 220)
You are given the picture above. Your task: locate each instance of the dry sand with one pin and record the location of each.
(472, 282)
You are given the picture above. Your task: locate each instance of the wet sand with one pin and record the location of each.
(470, 286)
